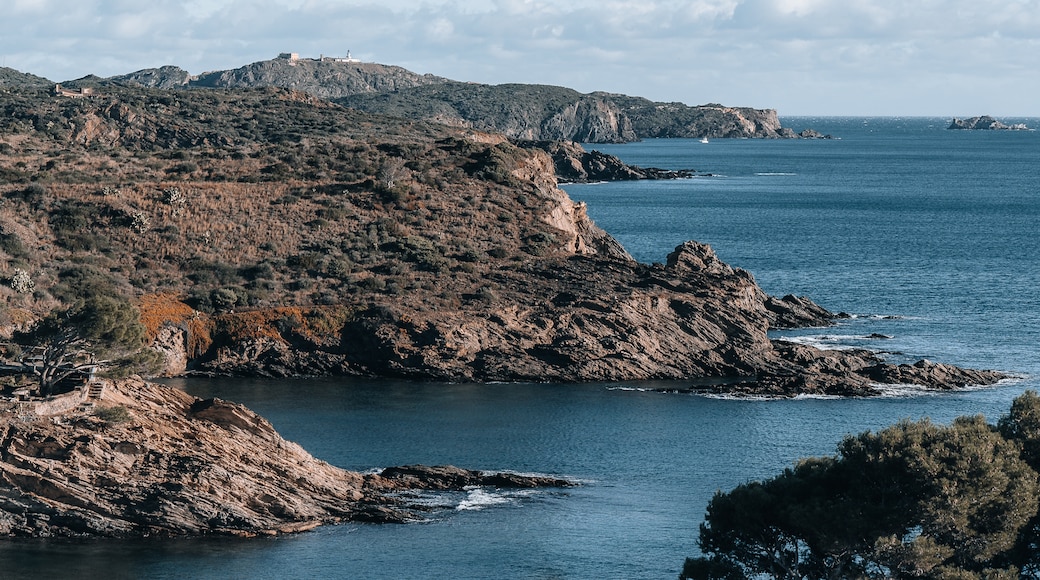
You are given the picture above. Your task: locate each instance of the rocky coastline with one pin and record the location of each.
(574, 164)
(404, 249)
(595, 319)
(318, 240)
(137, 459)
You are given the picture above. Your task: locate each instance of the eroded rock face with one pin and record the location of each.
(573, 164)
(162, 463)
(591, 318)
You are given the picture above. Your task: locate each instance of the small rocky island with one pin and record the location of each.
(985, 123)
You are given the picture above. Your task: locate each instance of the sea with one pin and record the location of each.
(928, 238)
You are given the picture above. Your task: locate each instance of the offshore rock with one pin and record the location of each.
(148, 460)
(985, 123)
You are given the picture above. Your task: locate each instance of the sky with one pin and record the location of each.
(801, 57)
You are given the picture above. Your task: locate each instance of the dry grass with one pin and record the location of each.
(256, 202)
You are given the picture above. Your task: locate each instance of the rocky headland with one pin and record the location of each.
(985, 123)
(136, 459)
(519, 111)
(267, 232)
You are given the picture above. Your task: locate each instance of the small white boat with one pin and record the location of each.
(704, 139)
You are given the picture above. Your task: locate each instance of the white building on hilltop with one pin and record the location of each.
(294, 57)
(347, 58)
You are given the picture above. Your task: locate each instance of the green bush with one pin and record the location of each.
(915, 500)
(224, 299)
(113, 415)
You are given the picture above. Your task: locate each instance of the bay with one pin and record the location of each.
(926, 235)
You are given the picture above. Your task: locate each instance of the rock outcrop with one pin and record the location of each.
(985, 123)
(594, 319)
(326, 79)
(573, 164)
(164, 77)
(543, 113)
(147, 460)
(846, 373)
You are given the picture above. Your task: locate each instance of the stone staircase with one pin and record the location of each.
(95, 390)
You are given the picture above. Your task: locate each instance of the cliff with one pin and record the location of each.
(136, 459)
(573, 164)
(268, 232)
(669, 120)
(528, 112)
(538, 112)
(519, 111)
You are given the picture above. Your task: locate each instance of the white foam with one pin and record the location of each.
(826, 341)
(740, 397)
(479, 498)
(880, 317)
(807, 396)
(905, 391)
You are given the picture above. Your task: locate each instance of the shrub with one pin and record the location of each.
(223, 298)
(174, 196)
(22, 282)
(34, 194)
(140, 222)
(112, 415)
(82, 281)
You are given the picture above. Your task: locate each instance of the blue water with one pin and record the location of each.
(927, 235)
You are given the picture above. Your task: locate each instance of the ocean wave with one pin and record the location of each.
(880, 317)
(740, 397)
(479, 498)
(774, 173)
(833, 341)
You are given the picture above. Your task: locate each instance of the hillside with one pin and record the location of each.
(269, 232)
(326, 79)
(555, 113)
(519, 111)
(12, 78)
(536, 112)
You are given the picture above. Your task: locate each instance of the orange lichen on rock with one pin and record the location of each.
(317, 324)
(159, 310)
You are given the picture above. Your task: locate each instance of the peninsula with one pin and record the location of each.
(133, 459)
(269, 232)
